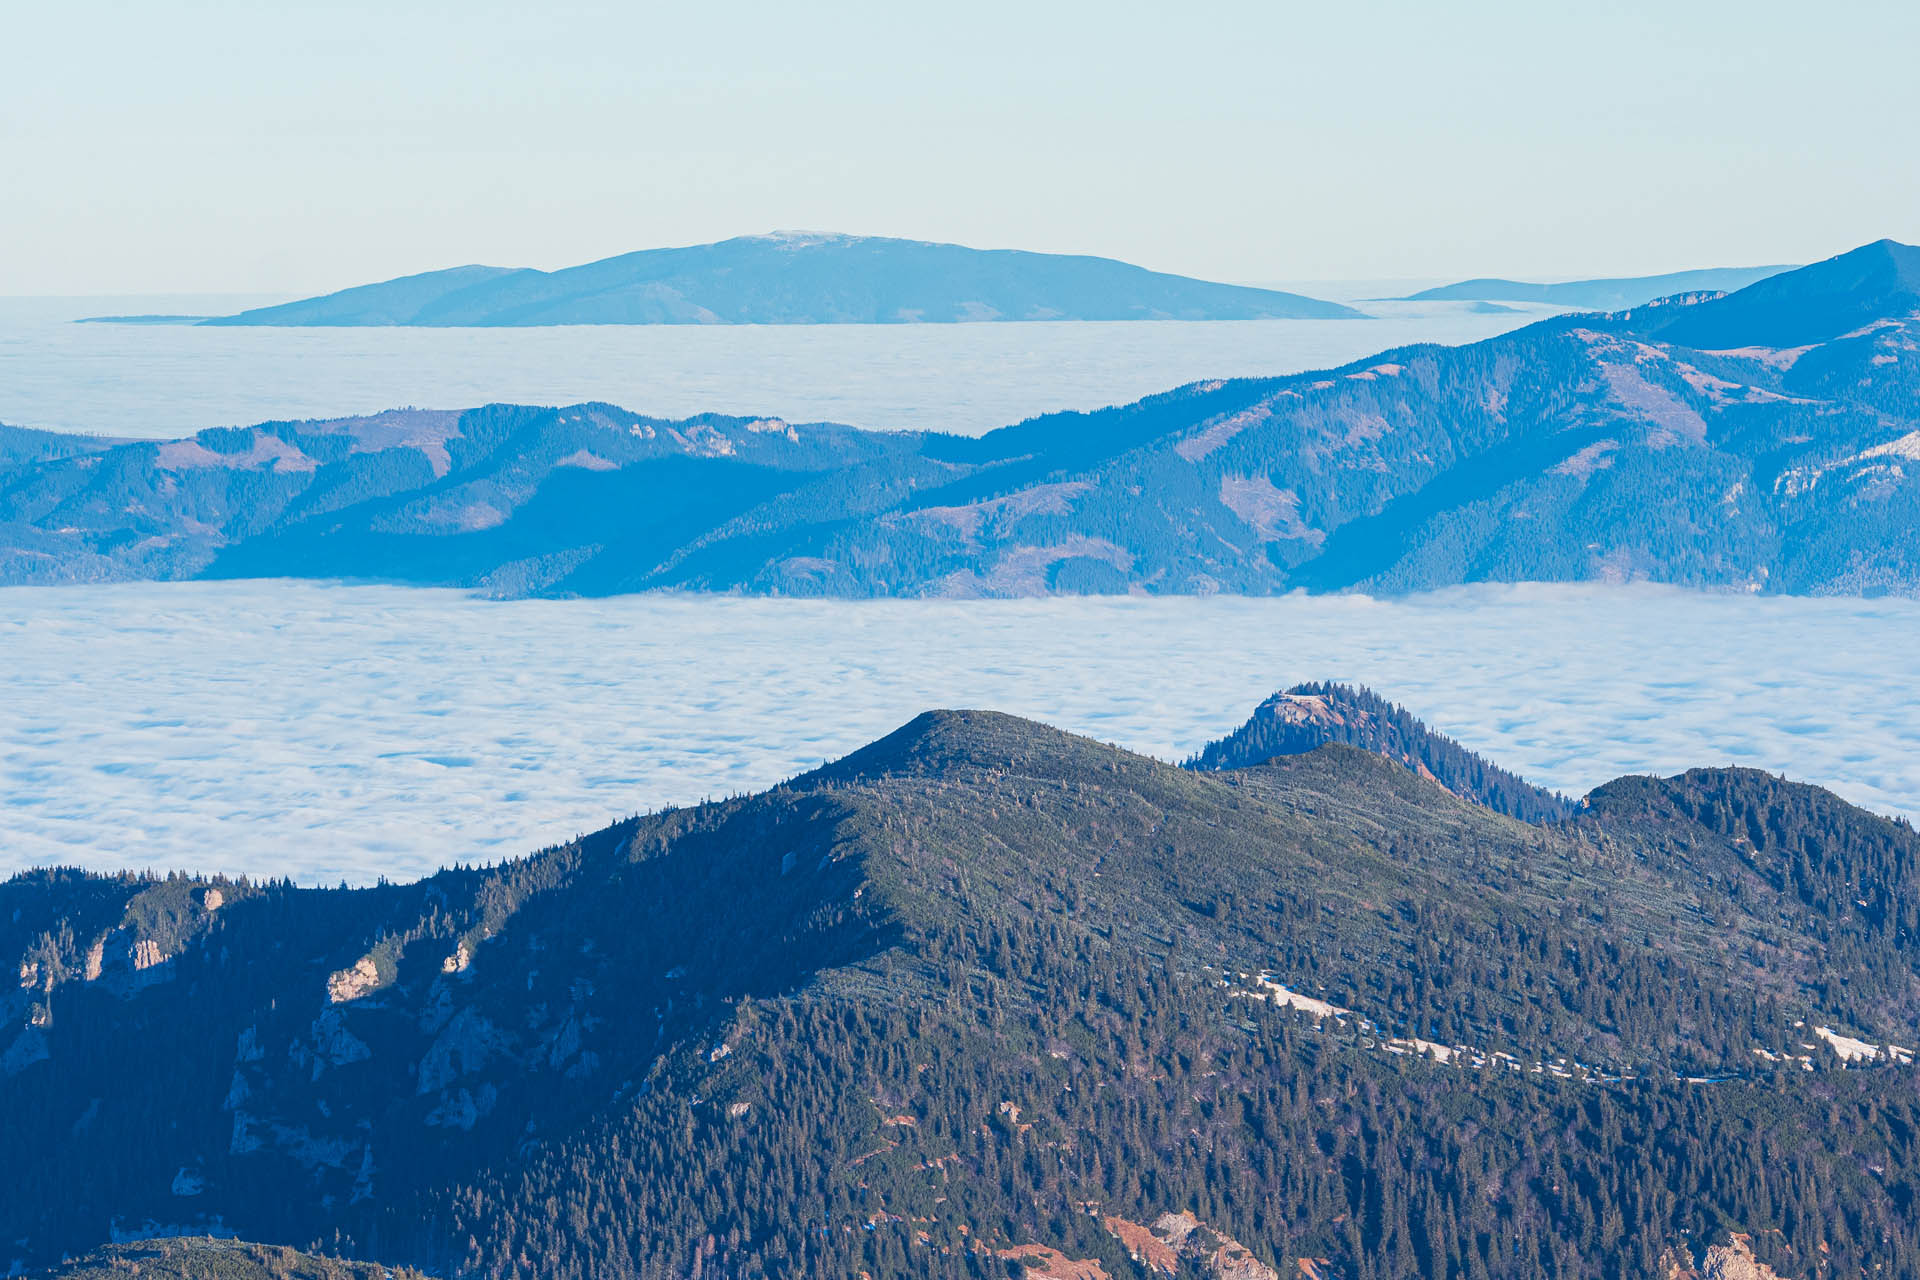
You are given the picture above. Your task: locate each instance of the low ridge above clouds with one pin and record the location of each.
(795, 278)
(1611, 294)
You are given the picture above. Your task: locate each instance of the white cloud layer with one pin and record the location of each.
(329, 732)
(168, 380)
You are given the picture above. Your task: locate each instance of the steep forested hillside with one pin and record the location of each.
(985, 999)
(1764, 440)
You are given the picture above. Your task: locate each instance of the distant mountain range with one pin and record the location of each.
(1764, 440)
(1599, 295)
(794, 278)
(987, 999)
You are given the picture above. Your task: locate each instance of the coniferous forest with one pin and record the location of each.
(985, 999)
(463, 569)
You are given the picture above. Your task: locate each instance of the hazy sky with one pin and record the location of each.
(168, 145)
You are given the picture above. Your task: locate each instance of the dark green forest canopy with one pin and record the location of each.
(983, 985)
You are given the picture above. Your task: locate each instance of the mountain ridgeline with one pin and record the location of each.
(1766, 440)
(1599, 295)
(218, 1258)
(984, 999)
(1307, 716)
(795, 278)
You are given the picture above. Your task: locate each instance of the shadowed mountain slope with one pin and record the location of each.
(1818, 304)
(984, 991)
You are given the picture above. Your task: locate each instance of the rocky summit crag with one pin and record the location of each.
(1307, 716)
(987, 999)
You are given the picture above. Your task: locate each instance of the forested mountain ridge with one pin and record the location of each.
(1581, 448)
(1875, 286)
(985, 997)
(795, 278)
(25, 444)
(216, 1258)
(1611, 294)
(1306, 716)
(507, 498)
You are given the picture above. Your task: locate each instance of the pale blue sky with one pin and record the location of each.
(170, 145)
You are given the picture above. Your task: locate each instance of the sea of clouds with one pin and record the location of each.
(347, 732)
(171, 380)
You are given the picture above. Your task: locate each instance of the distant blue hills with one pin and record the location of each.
(1599, 295)
(1765, 440)
(794, 278)
(1875, 285)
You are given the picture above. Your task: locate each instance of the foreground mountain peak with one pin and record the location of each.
(973, 743)
(986, 998)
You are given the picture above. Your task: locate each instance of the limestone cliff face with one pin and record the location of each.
(362, 977)
(121, 935)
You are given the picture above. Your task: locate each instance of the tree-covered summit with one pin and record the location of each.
(1307, 716)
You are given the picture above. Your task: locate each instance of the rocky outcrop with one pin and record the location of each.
(463, 1046)
(1143, 1246)
(458, 961)
(363, 978)
(333, 1045)
(464, 1108)
(1731, 1261)
(1175, 1238)
(1041, 1262)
